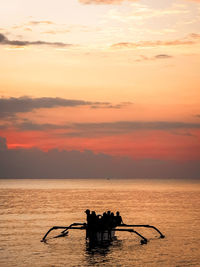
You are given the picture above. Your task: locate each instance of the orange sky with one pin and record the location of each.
(133, 64)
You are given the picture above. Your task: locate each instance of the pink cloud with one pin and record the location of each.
(104, 2)
(197, 1)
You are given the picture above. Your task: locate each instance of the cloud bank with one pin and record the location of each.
(107, 128)
(34, 163)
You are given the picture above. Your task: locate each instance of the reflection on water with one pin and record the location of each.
(28, 208)
(99, 252)
(102, 249)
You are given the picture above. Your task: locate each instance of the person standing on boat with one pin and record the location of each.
(104, 221)
(88, 215)
(88, 228)
(112, 216)
(93, 218)
(109, 223)
(118, 219)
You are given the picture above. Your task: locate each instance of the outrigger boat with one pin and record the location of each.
(105, 235)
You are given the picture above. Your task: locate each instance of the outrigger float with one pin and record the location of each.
(105, 235)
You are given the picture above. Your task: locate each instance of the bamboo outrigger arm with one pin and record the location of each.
(64, 232)
(144, 225)
(143, 240)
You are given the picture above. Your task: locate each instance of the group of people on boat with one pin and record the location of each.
(101, 223)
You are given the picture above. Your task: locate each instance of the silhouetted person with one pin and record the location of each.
(112, 216)
(88, 214)
(93, 226)
(98, 222)
(108, 212)
(109, 223)
(104, 221)
(103, 224)
(88, 228)
(93, 218)
(118, 219)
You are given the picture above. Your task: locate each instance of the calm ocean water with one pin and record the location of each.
(30, 207)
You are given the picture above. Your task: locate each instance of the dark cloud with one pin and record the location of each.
(124, 127)
(108, 128)
(5, 41)
(104, 2)
(34, 163)
(158, 125)
(30, 126)
(11, 106)
(111, 106)
(160, 56)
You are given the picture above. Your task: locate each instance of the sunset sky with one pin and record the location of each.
(110, 76)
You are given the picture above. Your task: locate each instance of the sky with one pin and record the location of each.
(116, 79)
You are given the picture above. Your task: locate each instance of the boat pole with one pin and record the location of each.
(143, 225)
(144, 239)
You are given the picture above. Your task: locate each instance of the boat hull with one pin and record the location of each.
(101, 236)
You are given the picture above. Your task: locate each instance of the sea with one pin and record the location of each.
(28, 208)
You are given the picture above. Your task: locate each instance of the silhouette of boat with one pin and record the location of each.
(97, 236)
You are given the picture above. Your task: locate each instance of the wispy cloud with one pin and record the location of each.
(104, 2)
(124, 127)
(195, 36)
(56, 31)
(34, 23)
(43, 26)
(11, 106)
(156, 57)
(5, 41)
(197, 1)
(191, 39)
(39, 22)
(111, 106)
(142, 12)
(28, 125)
